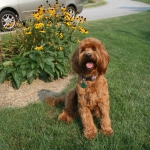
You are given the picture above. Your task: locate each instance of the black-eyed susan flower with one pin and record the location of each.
(79, 41)
(56, 5)
(61, 35)
(60, 48)
(51, 11)
(28, 32)
(42, 31)
(56, 15)
(68, 23)
(86, 32)
(39, 48)
(38, 25)
(50, 43)
(57, 24)
(26, 28)
(74, 27)
(63, 8)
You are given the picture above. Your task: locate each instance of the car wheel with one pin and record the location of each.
(72, 11)
(7, 20)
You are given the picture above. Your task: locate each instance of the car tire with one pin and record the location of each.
(7, 20)
(71, 10)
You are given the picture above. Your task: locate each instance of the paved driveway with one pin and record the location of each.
(114, 8)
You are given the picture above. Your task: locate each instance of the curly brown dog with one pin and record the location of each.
(90, 96)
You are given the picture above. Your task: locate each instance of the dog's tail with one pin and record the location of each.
(51, 101)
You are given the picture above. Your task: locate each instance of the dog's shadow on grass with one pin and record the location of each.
(42, 94)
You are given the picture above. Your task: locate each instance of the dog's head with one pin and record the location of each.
(90, 57)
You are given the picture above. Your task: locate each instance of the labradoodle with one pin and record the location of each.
(90, 96)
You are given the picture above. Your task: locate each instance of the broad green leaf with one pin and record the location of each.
(42, 65)
(30, 73)
(18, 78)
(49, 70)
(10, 69)
(7, 63)
(30, 80)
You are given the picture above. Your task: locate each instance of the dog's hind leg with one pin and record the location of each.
(71, 110)
(51, 101)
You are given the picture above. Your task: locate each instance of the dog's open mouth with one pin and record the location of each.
(89, 65)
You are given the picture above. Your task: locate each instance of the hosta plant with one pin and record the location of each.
(41, 48)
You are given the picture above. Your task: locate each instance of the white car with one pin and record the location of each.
(11, 10)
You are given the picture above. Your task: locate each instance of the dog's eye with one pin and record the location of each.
(82, 50)
(94, 49)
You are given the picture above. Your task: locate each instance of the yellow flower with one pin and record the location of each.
(28, 32)
(86, 31)
(51, 11)
(56, 5)
(74, 27)
(41, 8)
(39, 48)
(57, 24)
(49, 24)
(63, 8)
(68, 23)
(82, 30)
(38, 25)
(42, 31)
(79, 41)
(56, 16)
(26, 29)
(50, 43)
(61, 35)
(37, 15)
(60, 48)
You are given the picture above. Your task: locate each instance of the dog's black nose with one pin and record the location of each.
(88, 55)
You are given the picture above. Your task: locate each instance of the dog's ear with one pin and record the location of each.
(104, 60)
(74, 61)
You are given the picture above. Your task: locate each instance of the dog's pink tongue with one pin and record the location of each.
(89, 65)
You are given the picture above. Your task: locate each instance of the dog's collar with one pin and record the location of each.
(90, 78)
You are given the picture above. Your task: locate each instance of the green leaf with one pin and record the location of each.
(48, 62)
(18, 78)
(35, 56)
(60, 67)
(3, 75)
(24, 72)
(30, 73)
(10, 69)
(33, 65)
(30, 80)
(7, 63)
(49, 70)
(42, 65)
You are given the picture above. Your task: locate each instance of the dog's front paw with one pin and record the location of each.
(107, 132)
(90, 133)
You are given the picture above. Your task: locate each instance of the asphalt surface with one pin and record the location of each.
(114, 8)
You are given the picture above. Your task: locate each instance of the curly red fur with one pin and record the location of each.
(90, 59)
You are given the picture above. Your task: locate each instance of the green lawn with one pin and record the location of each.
(144, 1)
(88, 4)
(127, 40)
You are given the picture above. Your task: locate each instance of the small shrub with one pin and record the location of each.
(41, 48)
